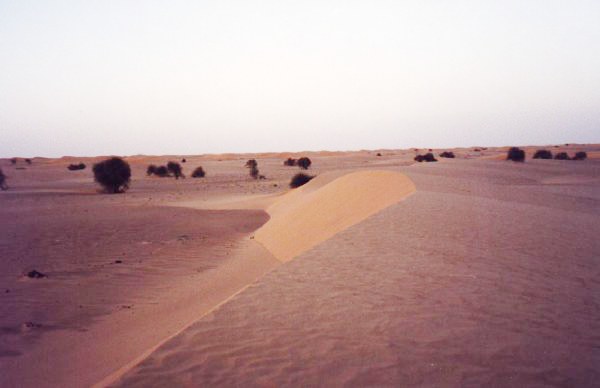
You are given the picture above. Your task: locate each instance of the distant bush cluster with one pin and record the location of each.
(581, 155)
(542, 154)
(113, 175)
(175, 169)
(300, 179)
(75, 167)
(428, 157)
(515, 154)
(447, 154)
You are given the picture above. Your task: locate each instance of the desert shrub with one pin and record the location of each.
(113, 175)
(161, 171)
(183, 160)
(378, 154)
(198, 172)
(13, 161)
(304, 163)
(175, 169)
(476, 149)
(542, 154)
(428, 157)
(290, 162)
(3, 185)
(253, 166)
(150, 170)
(28, 161)
(300, 179)
(581, 155)
(75, 167)
(515, 154)
(562, 156)
(447, 154)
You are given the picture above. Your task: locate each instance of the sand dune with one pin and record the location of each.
(317, 211)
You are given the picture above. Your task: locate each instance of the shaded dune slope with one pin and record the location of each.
(317, 211)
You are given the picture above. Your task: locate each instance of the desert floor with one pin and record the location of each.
(380, 271)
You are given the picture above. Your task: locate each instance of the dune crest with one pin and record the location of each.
(317, 211)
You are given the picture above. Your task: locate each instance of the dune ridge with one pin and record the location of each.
(317, 211)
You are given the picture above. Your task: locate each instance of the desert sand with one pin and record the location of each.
(379, 272)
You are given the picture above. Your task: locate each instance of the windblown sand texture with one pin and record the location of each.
(315, 212)
(379, 272)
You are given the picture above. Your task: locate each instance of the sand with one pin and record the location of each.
(464, 272)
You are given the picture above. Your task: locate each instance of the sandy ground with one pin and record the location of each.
(469, 271)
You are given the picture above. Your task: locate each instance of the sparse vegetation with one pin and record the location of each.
(252, 164)
(378, 154)
(75, 167)
(290, 162)
(28, 161)
(161, 171)
(13, 161)
(113, 175)
(198, 172)
(515, 154)
(304, 163)
(175, 169)
(542, 154)
(581, 155)
(3, 185)
(183, 160)
(150, 170)
(428, 157)
(562, 156)
(300, 179)
(447, 154)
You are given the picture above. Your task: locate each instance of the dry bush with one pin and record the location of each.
(304, 163)
(562, 156)
(581, 155)
(198, 172)
(175, 169)
(290, 162)
(3, 185)
(300, 179)
(75, 167)
(542, 154)
(113, 175)
(447, 154)
(515, 154)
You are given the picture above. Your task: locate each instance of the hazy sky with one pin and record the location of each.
(190, 77)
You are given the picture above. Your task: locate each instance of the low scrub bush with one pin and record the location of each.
(198, 172)
(252, 164)
(447, 154)
(28, 161)
(13, 161)
(113, 175)
(300, 179)
(562, 156)
(304, 163)
(515, 154)
(3, 185)
(428, 157)
(161, 171)
(75, 167)
(175, 169)
(542, 154)
(151, 170)
(581, 155)
(290, 162)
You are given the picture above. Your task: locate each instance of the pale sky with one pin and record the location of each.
(191, 77)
